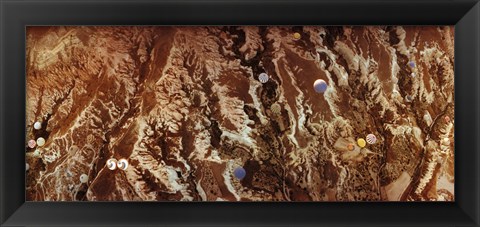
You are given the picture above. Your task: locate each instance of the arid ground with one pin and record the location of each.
(187, 109)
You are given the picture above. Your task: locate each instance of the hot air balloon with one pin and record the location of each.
(263, 78)
(239, 173)
(320, 86)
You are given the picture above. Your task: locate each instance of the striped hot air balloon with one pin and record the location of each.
(371, 139)
(276, 108)
(32, 143)
(111, 164)
(263, 78)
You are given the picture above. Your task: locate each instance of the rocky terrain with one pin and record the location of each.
(186, 108)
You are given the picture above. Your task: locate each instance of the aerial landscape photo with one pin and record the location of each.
(240, 113)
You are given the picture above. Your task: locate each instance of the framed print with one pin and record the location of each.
(239, 113)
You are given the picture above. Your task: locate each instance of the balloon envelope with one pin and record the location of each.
(320, 86)
(40, 141)
(297, 35)
(408, 98)
(263, 77)
(239, 173)
(83, 178)
(32, 143)
(350, 147)
(371, 139)
(447, 119)
(361, 142)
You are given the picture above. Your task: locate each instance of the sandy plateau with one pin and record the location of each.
(186, 108)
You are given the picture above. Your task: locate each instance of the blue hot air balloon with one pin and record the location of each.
(320, 86)
(239, 173)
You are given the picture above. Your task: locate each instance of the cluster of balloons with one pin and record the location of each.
(40, 140)
(370, 139)
(112, 164)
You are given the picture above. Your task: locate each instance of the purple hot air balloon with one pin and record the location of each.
(320, 86)
(239, 173)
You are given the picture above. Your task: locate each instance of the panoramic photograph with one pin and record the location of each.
(240, 113)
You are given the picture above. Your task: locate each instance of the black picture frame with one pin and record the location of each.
(16, 14)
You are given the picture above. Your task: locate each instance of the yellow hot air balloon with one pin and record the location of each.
(297, 36)
(361, 142)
